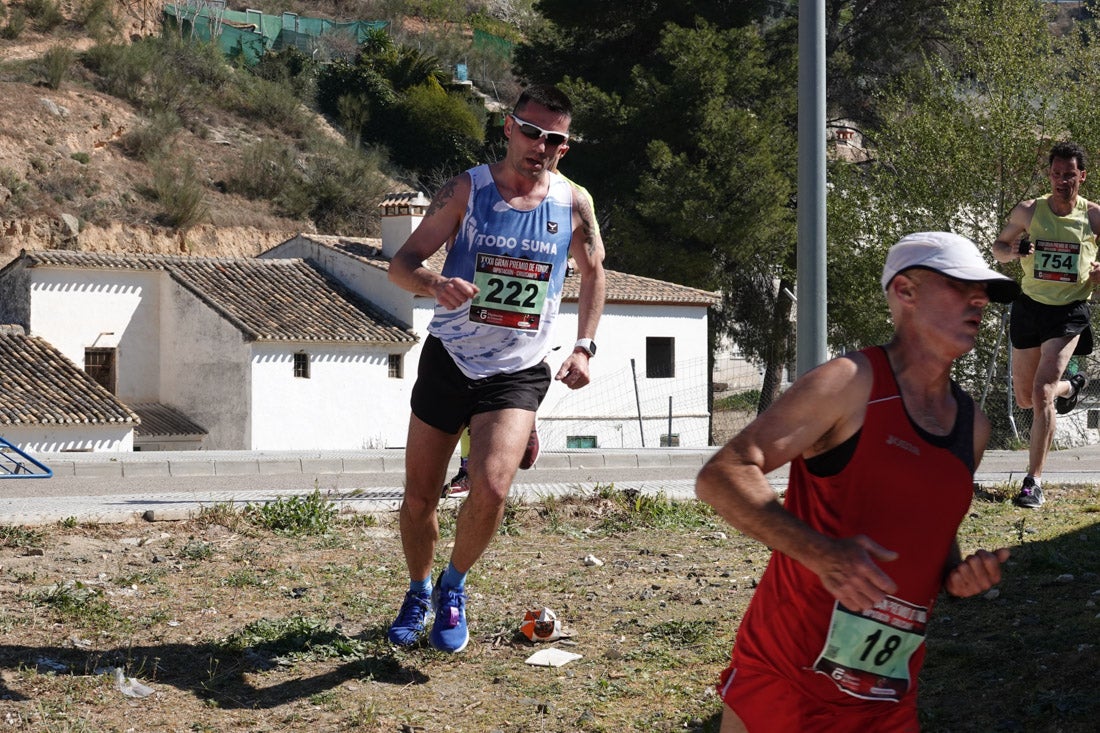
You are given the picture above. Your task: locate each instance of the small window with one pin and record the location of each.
(660, 357)
(580, 441)
(99, 364)
(301, 365)
(670, 441)
(396, 366)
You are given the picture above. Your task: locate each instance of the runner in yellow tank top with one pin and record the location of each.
(1054, 237)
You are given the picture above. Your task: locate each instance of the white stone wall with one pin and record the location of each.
(35, 439)
(205, 370)
(609, 407)
(348, 402)
(77, 309)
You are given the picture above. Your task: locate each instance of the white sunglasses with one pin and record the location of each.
(534, 132)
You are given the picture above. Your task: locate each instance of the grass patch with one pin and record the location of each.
(11, 536)
(76, 602)
(630, 509)
(294, 639)
(296, 516)
(742, 401)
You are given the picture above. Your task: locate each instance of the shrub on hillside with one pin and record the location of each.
(150, 140)
(344, 191)
(45, 15)
(98, 17)
(54, 65)
(178, 190)
(435, 129)
(272, 103)
(267, 171)
(121, 69)
(288, 66)
(14, 26)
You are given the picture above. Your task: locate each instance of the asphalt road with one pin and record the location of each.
(102, 487)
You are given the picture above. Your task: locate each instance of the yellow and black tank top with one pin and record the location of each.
(1057, 273)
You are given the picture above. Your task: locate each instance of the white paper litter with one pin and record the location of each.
(129, 686)
(552, 657)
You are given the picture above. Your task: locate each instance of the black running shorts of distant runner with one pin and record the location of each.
(1034, 322)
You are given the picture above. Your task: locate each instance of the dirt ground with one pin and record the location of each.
(232, 627)
(176, 606)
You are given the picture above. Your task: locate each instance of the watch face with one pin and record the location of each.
(592, 348)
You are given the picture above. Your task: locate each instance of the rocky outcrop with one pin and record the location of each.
(63, 232)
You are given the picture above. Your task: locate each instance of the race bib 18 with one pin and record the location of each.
(867, 654)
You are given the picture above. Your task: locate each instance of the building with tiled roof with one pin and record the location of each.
(651, 375)
(622, 287)
(268, 300)
(309, 346)
(48, 404)
(257, 352)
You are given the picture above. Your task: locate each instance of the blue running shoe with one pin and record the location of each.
(412, 619)
(449, 632)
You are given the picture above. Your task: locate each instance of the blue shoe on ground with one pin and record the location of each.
(449, 632)
(412, 619)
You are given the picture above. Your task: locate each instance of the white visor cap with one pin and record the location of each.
(948, 254)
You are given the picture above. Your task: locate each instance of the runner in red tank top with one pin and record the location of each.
(883, 448)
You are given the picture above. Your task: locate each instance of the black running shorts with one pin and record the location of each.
(445, 398)
(1034, 322)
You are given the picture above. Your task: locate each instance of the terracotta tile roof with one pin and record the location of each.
(626, 288)
(159, 420)
(367, 250)
(622, 287)
(40, 386)
(268, 300)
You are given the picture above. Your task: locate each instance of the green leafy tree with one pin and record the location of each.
(689, 147)
(412, 68)
(964, 137)
(435, 129)
(395, 97)
(869, 43)
(732, 175)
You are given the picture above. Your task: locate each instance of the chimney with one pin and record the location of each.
(401, 214)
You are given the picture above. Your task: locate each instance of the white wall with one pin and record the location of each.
(348, 402)
(74, 310)
(205, 369)
(609, 406)
(36, 439)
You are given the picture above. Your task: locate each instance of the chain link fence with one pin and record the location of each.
(1012, 424)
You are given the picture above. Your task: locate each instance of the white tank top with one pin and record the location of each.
(517, 259)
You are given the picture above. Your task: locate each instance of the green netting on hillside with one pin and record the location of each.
(250, 34)
(489, 42)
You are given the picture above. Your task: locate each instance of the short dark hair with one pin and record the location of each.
(548, 96)
(1067, 150)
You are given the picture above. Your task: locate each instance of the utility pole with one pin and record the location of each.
(811, 349)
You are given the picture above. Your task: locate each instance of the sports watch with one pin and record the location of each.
(588, 346)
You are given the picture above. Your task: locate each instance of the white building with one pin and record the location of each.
(310, 346)
(48, 404)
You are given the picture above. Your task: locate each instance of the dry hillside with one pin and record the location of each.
(86, 191)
